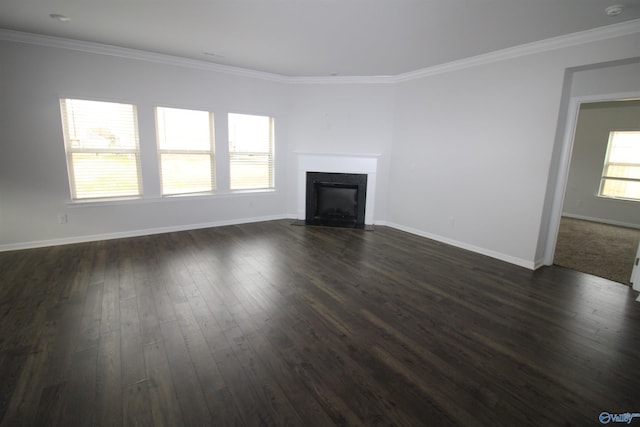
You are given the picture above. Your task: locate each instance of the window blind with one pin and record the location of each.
(621, 172)
(102, 147)
(251, 151)
(186, 150)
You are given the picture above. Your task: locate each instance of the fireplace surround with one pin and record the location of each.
(338, 163)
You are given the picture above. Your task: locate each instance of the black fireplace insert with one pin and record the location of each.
(336, 199)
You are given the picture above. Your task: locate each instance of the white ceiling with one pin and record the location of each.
(314, 37)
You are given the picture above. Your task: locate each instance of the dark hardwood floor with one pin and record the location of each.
(273, 324)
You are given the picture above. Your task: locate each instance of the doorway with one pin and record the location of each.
(598, 234)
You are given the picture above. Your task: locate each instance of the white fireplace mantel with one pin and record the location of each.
(338, 163)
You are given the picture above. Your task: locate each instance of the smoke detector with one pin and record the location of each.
(614, 10)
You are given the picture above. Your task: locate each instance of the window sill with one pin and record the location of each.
(256, 191)
(168, 199)
(105, 202)
(618, 199)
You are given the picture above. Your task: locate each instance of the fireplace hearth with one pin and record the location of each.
(336, 199)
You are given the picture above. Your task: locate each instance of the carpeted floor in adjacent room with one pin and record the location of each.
(603, 250)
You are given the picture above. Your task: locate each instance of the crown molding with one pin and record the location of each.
(574, 39)
(602, 33)
(333, 80)
(127, 53)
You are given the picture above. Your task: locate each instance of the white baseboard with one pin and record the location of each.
(136, 233)
(539, 263)
(604, 221)
(531, 265)
(149, 231)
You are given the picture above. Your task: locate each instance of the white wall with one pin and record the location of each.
(473, 148)
(347, 119)
(33, 177)
(595, 121)
(603, 80)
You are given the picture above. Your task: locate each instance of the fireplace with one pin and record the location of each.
(332, 166)
(336, 199)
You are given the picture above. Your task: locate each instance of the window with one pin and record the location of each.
(250, 151)
(103, 151)
(621, 173)
(185, 146)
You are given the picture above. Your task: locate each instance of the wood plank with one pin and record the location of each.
(185, 381)
(165, 407)
(89, 333)
(50, 405)
(109, 381)
(110, 320)
(131, 343)
(136, 408)
(264, 383)
(80, 398)
(216, 393)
